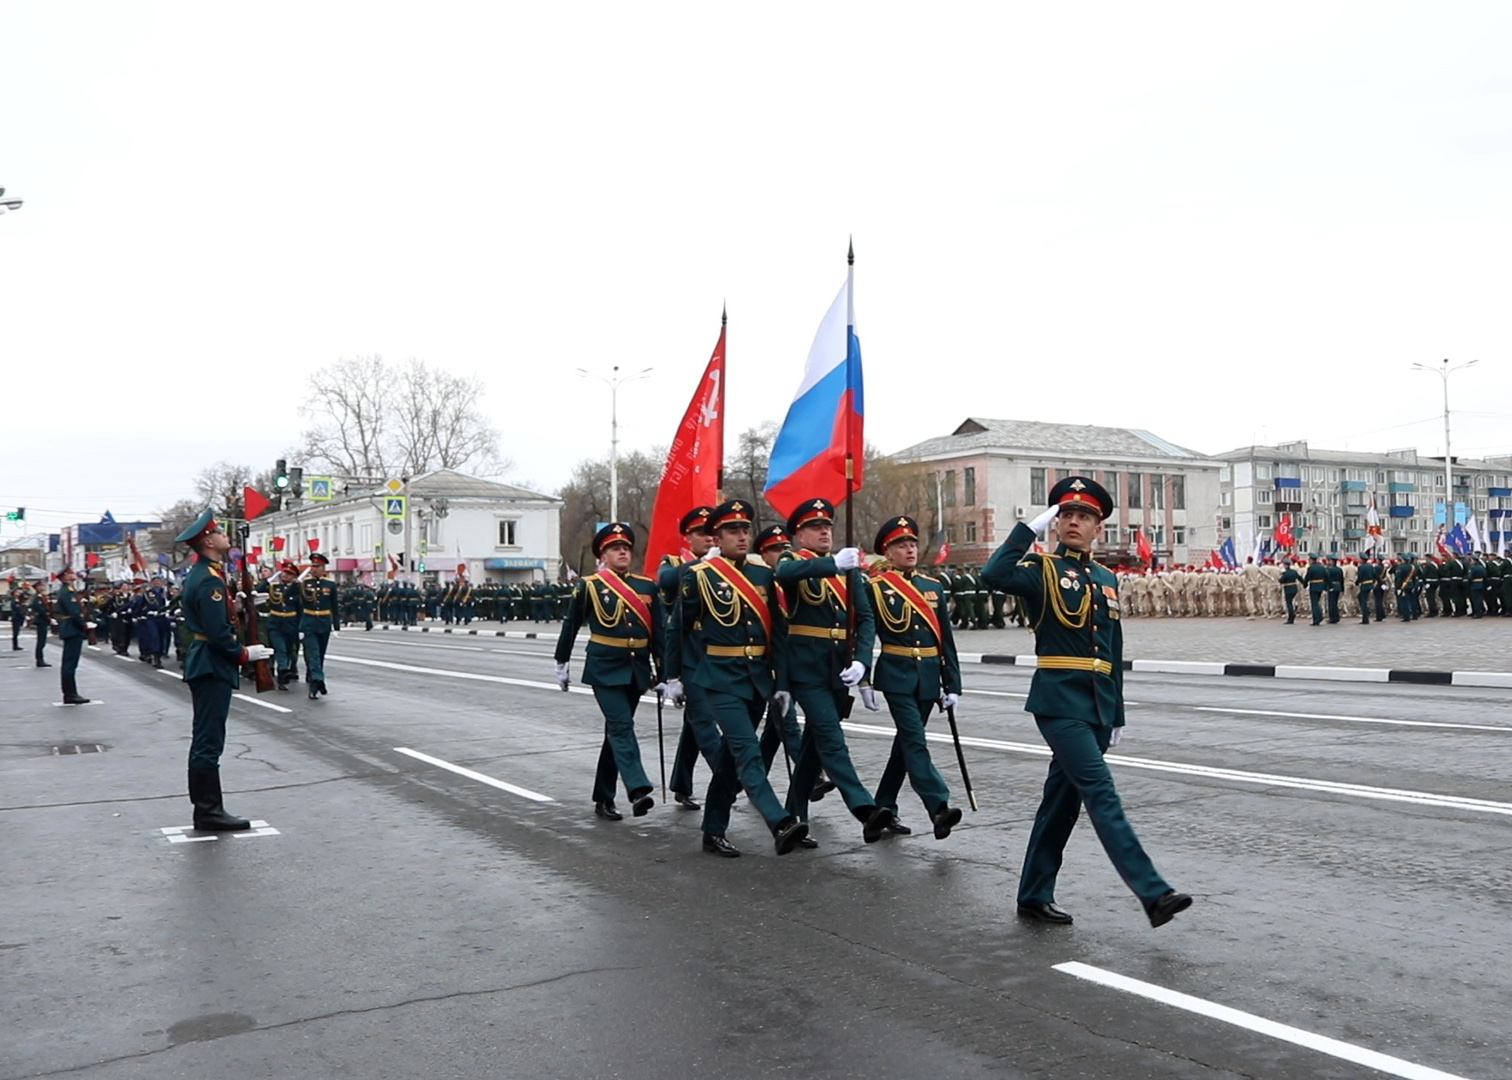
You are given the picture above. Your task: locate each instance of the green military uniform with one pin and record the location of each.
(699, 733)
(1368, 578)
(281, 616)
(1452, 592)
(1289, 580)
(624, 617)
(1428, 580)
(1334, 573)
(1076, 697)
(1316, 580)
(1475, 585)
(72, 630)
(916, 670)
(318, 618)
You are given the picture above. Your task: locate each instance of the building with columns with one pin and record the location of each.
(502, 533)
(991, 474)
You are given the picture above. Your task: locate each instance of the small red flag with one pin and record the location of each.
(278, 543)
(314, 542)
(691, 476)
(253, 503)
(91, 559)
(1142, 546)
(942, 554)
(1284, 537)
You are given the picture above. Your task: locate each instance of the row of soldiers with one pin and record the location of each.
(459, 602)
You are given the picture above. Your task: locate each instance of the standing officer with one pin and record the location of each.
(1428, 577)
(1475, 585)
(1452, 586)
(1076, 697)
(212, 669)
(1404, 578)
(318, 619)
(1317, 584)
(917, 669)
(20, 597)
(1368, 578)
(41, 617)
(73, 628)
(818, 592)
(1334, 575)
(1289, 581)
(728, 606)
(282, 613)
(699, 734)
(624, 617)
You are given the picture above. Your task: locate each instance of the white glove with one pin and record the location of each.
(1116, 737)
(784, 702)
(847, 558)
(949, 701)
(1042, 522)
(258, 598)
(671, 690)
(869, 698)
(90, 625)
(258, 652)
(301, 635)
(562, 677)
(853, 674)
(712, 553)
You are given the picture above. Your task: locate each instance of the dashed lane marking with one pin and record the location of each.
(482, 778)
(249, 699)
(1371, 1059)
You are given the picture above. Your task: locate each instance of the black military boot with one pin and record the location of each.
(209, 814)
(71, 692)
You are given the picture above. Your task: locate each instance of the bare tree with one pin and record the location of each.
(587, 501)
(351, 402)
(220, 485)
(438, 425)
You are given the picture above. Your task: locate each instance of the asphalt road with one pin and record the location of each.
(1346, 845)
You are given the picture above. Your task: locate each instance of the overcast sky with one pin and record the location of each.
(1223, 223)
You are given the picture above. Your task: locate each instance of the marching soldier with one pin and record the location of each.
(1289, 581)
(729, 606)
(700, 735)
(211, 669)
(916, 671)
(1077, 698)
(624, 617)
(1334, 575)
(819, 599)
(1428, 577)
(1475, 582)
(318, 619)
(73, 628)
(780, 729)
(1316, 580)
(282, 613)
(1404, 578)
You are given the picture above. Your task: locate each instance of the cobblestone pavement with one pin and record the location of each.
(1462, 644)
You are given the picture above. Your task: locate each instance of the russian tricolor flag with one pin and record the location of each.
(823, 428)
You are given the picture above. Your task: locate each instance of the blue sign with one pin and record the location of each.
(513, 562)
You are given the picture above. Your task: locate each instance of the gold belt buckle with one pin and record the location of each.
(748, 654)
(915, 652)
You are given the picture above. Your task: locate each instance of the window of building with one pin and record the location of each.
(367, 537)
(1351, 546)
(1424, 479)
(1037, 487)
(347, 534)
(1225, 474)
(1263, 521)
(950, 487)
(1262, 472)
(1110, 534)
(1110, 481)
(1438, 481)
(1289, 470)
(1317, 475)
(1480, 480)
(1136, 490)
(1264, 495)
(507, 532)
(1333, 476)
(1157, 491)
(1178, 536)
(1178, 492)
(1401, 498)
(1225, 498)
(969, 478)
(1417, 548)
(971, 532)
(1157, 535)
(950, 534)
(1480, 502)
(1333, 499)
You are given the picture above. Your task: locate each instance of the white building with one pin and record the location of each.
(426, 527)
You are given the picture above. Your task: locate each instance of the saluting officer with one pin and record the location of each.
(318, 619)
(729, 607)
(699, 735)
(916, 671)
(624, 617)
(212, 668)
(825, 603)
(1076, 697)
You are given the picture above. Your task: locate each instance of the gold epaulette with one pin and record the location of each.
(638, 577)
(671, 560)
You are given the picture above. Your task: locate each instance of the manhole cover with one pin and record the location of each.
(79, 748)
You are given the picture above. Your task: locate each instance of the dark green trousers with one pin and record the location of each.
(739, 764)
(1079, 777)
(910, 755)
(212, 703)
(781, 731)
(699, 735)
(315, 643)
(620, 755)
(823, 747)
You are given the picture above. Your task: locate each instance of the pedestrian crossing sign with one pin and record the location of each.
(319, 488)
(393, 505)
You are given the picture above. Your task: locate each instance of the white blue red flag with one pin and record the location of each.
(823, 425)
(1226, 552)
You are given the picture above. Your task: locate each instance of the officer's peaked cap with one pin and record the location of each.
(901, 527)
(616, 532)
(1082, 493)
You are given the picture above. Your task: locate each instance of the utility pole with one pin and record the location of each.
(1444, 372)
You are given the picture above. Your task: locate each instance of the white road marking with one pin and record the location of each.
(1355, 719)
(482, 778)
(1331, 787)
(265, 704)
(1371, 1059)
(179, 834)
(66, 705)
(999, 693)
(472, 676)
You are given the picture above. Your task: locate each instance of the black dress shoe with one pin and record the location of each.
(322, 686)
(1048, 913)
(789, 833)
(604, 810)
(641, 804)
(896, 826)
(43, 663)
(808, 842)
(945, 819)
(718, 845)
(822, 788)
(876, 824)
(1168, 906)
(687, 802)
(75, 699)
(313, 694)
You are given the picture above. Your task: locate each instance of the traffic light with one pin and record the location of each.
(422, 566)
(19, 514)
(281, 474)
(296, 480)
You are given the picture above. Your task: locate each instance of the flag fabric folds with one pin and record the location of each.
(691, 475)
(1284, 537)
(253, 502)
(1143, 548)
(824, 423)
(1226, 552)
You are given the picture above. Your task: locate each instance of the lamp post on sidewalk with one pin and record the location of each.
(1444, 372)
(613, 381)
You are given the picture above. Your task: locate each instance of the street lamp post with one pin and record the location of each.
(613, 380)
(1444, 372)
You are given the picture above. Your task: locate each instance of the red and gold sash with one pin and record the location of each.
(622, 589)
(737, 580)
(835, 584)
(914, 599)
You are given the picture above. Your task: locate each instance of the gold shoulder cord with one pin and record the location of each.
(889, 621)
(812, 594)
(605, 620)
(724, 615)
(1054, 602)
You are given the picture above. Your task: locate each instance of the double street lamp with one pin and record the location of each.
(1443, 372)
(613, 381)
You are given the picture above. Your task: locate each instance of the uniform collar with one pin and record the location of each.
(1062, 551)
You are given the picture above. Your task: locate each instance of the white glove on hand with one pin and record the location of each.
(784, 702)
(90, 625)
(301, 635)
(562, 677)
(847, 558)
(712, 553)
(853, 674)
(241, 596)
(259, 598)
(671, 690)
(869, 698)
(258, 652)
(1042, 522)
(949, 701)
(1116, 737)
